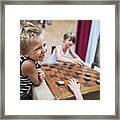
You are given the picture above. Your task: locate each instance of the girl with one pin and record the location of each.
(32, 49)
(60, 53)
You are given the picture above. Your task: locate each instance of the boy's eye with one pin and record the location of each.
(44, 44)
(38, 49)
(41, 47)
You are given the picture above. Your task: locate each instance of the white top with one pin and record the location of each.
(53, 56)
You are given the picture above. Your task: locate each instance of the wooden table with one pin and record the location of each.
(89, 79)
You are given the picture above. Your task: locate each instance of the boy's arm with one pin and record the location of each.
(75, 56)
(28, 68)
(72, 52)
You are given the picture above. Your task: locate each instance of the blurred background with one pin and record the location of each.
(87, 37)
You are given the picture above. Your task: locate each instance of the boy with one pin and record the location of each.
(32, 49)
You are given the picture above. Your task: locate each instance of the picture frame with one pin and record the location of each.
(3, 68)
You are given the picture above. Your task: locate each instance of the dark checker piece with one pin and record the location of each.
(62, 68)
(97, 77)
(75, 77)
(64, 63)
(67, 74)
(97, 82)
(86, 84)
(68, 70)
(53, 75)
(63, 78)
(87, 74)
(87, 79)
(70, 67)
(48, 69)
(53, 65)
(71, 64)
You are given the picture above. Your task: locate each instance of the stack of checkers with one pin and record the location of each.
(58, 75)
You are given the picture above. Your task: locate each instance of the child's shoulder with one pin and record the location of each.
(26, 62)
(28, 65)
(58, 47)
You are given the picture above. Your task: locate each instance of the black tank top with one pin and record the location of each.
(25, 82)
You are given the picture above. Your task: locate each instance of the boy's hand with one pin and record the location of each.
(77, 61)
(41, 74)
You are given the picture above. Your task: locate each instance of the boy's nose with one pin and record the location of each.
(44, 50)
(71, 43)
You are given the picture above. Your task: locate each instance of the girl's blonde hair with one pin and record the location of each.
(28, 33)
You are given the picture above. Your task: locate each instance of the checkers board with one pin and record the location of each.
(88, 77)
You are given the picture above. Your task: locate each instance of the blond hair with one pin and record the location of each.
(28, 33)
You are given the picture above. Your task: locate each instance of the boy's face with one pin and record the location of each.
(68, 42)
(38, 49)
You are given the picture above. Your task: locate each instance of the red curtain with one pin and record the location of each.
(83, 32)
